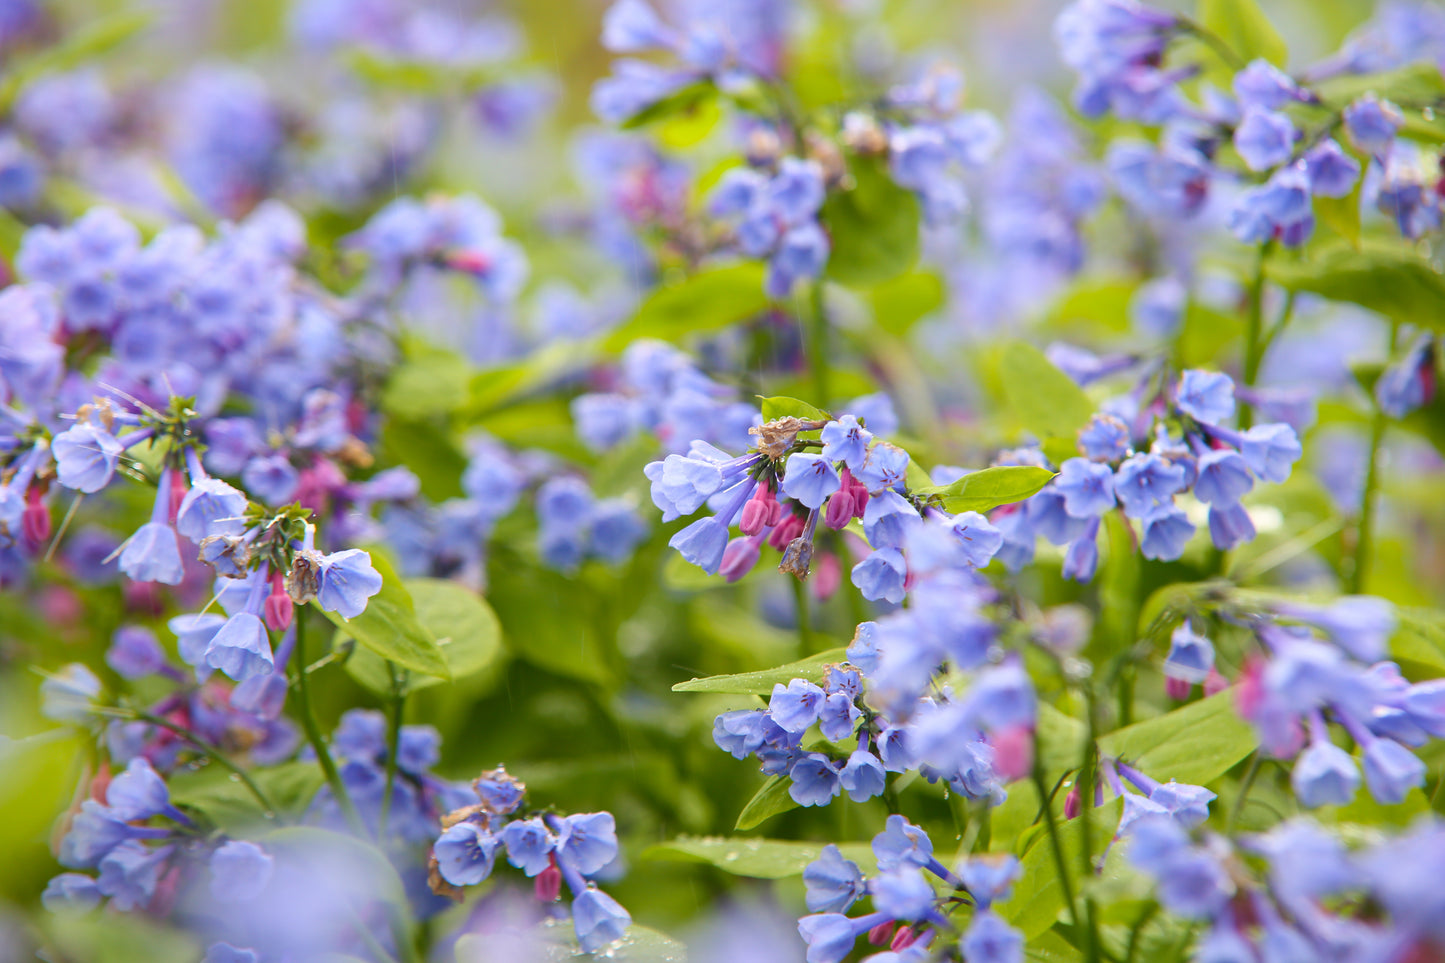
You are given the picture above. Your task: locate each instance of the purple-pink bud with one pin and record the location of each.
(785, 531)
(1177, 689)
(840, 509)
(882, 933)
(903, 939)
(1072, 804)
(739, 558)
(755, 515)
(827, 576)
(278, 607)
(35, 520)
(1214, 683)
(1013, 752)
(548, 885)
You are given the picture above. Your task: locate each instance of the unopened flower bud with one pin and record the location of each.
(903, 939)
(739, 557)
(1072, 804)
(755, 516)
(882, 933)
(1177, 689)
(840, 509)
(548, 884)
(827, 576)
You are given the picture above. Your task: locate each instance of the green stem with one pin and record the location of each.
(1051, 823)
(393, 746)
(1088, 768)
(313, 731)
(1254, 334)
(1364, 538)
(817, 341)
(805, 627)
(210, 752)
(1126, 695)
(1249, 775)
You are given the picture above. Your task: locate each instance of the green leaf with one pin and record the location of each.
(116, 938)
(873, 226)
(757, 858)
(1193, 744)
(1420, 638)
(430, 382)
(983, 490)
(227, 803)
(706, 301)
(762, 681)
(687, 100)
(1387, 277)
(1245, 29)
(1038, 897)
(641, 944)
(766, 803)
(782, 406)
(1043, 400)
(426, 450)
(390, 628)
(494, 387)
(98, 37)
(1342, 214)
(464, 625)
(423, 77)
(902, 302)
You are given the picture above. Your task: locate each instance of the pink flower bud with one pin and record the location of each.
(35, 520)
(1214, 683)
(1072, 804)
(827, 576)
(1177, 689)
(755, 516)
(548, 884)
(739, 557)
(1013, 752)
(882, 933)
(903, 939)
(785, 531)
(840, 509)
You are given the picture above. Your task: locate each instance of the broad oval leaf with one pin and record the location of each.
(556, 943)
(465, 628)
(873, 227)
(1390, 278)
(766, 803)
(390, 628)
(983, 490)
(1192, 744)
(762, 681)
(781, 406)
(1242, 25)
(706, 301)
(1044, 401)
(757, 858)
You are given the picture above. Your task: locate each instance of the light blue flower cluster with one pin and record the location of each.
(776, 217)
(1303, 901)
(1117, 47)
(909, 915)
(660, 390)
(548, 848)
(1192, 451)
(142, 866)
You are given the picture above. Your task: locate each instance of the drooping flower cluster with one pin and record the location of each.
(1192, 450)
(549, 849)
(1295, 891)
(909, 915)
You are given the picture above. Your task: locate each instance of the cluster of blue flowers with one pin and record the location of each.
(1280, 128)
(1295, 892)
(909, 915)
(1192, 450)
(548, 848)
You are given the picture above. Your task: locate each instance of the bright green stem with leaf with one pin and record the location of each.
(313, 731)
